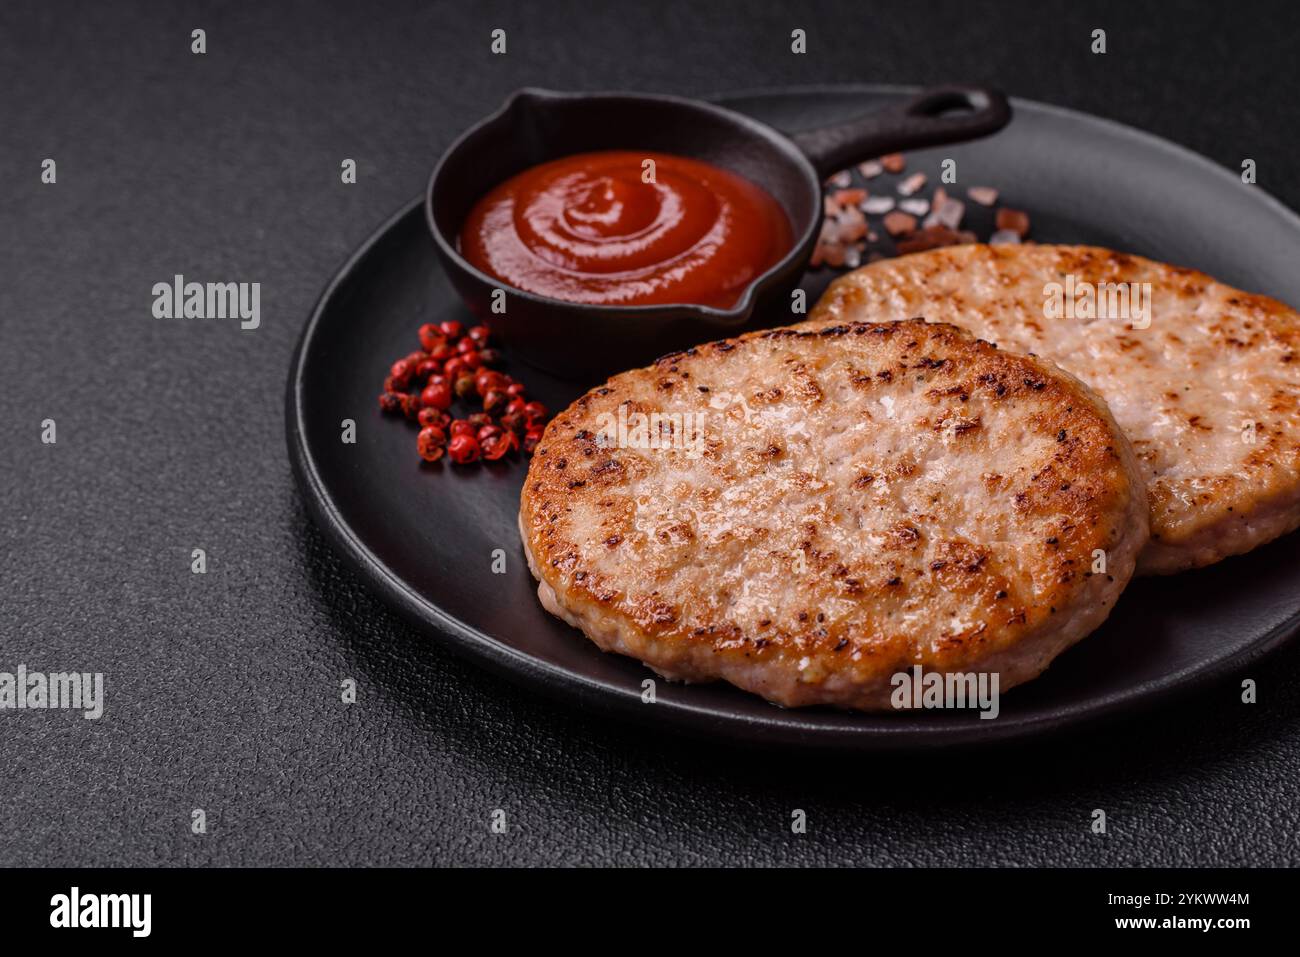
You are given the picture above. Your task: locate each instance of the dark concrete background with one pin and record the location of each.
(223, 689)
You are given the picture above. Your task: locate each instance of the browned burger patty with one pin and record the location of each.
(813, 512)
(1208, 392)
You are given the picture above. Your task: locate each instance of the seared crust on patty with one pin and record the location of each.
(857, 500)
(1208, 394)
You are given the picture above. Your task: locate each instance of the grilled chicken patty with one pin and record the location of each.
(1208, 393)
(806, 514)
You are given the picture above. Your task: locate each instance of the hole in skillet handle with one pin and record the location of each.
(944, 114)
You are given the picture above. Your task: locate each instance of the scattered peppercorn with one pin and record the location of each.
(436, 396)
(431, 337)
(431, 443)
(455, 367)
(436, 417)
(456, 364)
(497, 446)
(464, 387)
(400, 373)
(463, 449)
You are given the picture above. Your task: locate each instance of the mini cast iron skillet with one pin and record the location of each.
(535, 126)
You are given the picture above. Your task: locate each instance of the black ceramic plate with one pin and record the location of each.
(424, 536)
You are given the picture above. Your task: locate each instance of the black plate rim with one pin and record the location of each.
(783, 727)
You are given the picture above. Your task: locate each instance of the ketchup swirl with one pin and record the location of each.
(588, 228)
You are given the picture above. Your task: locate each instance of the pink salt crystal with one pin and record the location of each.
(1014, 220)
(853, 225)
(897, 224)
(910, 185)
(951, 213)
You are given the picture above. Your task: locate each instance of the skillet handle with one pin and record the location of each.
(909, 125)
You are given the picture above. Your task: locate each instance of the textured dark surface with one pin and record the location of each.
(223, 689)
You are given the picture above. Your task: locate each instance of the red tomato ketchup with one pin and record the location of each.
(588, 228)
